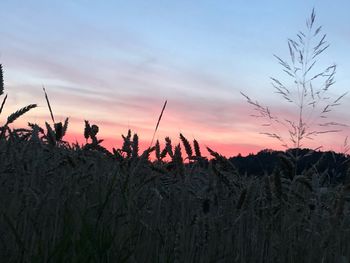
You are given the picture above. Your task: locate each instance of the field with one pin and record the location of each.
(63, 202)
(71, 203)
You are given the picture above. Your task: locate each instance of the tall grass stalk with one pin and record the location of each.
(159, 119)
(310, 90)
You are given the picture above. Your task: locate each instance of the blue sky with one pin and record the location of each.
(115, 63)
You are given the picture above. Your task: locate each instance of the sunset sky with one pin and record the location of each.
(114, 63)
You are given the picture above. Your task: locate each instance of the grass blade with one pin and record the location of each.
(3, 103)
(48, 104)
(1, 81)
(160, 117)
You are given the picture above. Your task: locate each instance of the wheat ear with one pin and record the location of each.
(19, 113)
(3, 103)
(48, 104)
(187, 146)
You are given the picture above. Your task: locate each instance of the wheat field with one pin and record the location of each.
(64, 202)
(72, 203)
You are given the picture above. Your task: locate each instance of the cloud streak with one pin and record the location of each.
(117, 72)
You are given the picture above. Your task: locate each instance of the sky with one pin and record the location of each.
(114, 63)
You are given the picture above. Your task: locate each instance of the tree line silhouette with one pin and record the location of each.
(333, 165)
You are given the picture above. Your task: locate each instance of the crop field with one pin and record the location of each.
(71, 203)
(66, 202)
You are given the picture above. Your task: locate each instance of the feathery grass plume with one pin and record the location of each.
(48, 104)
(197, 149)
(1, 80)
(19, 113)
(3, 103)
(160, 117)
(187, 146)
(135, 146)
(307, 97)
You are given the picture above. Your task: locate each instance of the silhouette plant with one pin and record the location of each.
(309, 95)
(2, 88)
(55, 135)
(157, 125)
(14, 116)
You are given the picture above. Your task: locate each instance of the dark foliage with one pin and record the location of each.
(265, 161)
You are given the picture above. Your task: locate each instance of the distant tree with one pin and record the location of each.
(333, 166)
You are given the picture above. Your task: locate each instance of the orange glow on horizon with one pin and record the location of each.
(226, 140)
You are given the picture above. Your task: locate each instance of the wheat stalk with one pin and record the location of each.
(2, 88)
(48, 104)
(160, 117)
(1, 81)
